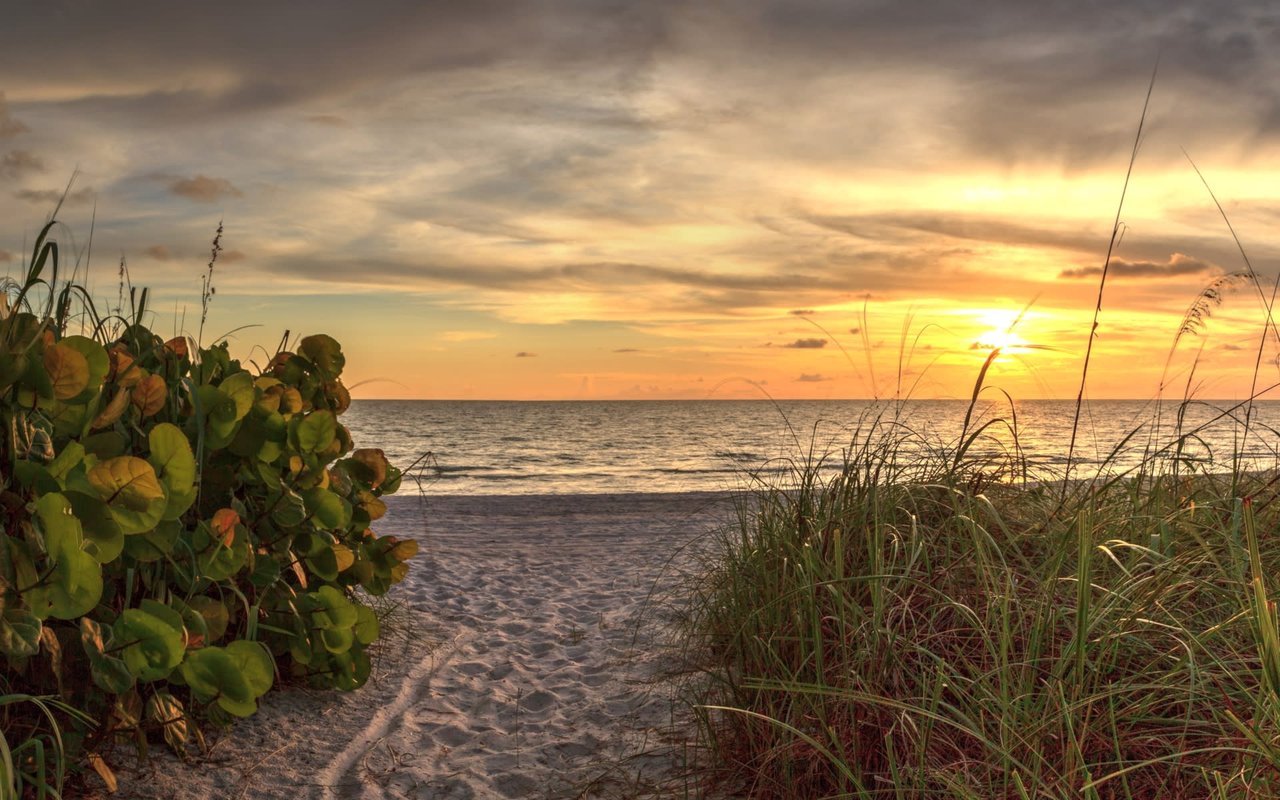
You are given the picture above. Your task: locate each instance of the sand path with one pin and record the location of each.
(528, 667)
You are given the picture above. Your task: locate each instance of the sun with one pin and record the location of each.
(999, 331)
(1004, 340)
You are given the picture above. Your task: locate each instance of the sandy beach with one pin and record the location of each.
(526, 660)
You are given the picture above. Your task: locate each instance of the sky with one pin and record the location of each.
(703, 200)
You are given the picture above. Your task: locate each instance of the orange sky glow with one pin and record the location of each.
(805, 200)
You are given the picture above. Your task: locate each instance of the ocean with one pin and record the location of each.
(587, 447)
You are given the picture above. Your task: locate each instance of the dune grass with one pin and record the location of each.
(908, 629)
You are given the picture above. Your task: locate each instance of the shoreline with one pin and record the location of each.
(527, 660)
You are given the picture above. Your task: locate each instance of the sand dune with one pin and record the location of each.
(527, 663)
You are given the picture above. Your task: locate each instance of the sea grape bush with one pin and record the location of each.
(178, 532)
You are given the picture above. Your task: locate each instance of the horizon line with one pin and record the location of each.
(1236, 401)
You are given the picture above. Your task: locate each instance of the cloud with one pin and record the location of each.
(807, 344)
(159, 252)
(5, 255)
(9, 127)
(231, 256)
(801, 312)
(812, 377)
(722, 290)
(204, 189)
(313, 65)
(627, 350)
(1178, 265)
(526, 354)
(924, 223)
(17, 163)
(855, 330)
(53, 196)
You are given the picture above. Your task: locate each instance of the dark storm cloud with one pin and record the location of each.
(239, 56)
(1178, 265)
(1044, 80)
(204, 189)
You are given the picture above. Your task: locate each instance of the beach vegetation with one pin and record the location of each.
(181, 533)
(911, 628)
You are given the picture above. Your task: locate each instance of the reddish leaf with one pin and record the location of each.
(224, 524)
(149, 395)
(68, 371)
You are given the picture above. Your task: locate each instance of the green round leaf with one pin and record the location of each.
(218, 413)
(95, 356)
(73, 584)
(175, 467)
(324, 352)
(106, 540)
(230, 677)
(154, 648)
(71, 456)
(239, 387)
(255, 663)
(366, 628)
(337, 640)
(352, 669)
(214, 614)
(328, 511)
(324, 563)
(331, 609)
(155, 544)
(314, 432)
(290, 511)
(131, 490)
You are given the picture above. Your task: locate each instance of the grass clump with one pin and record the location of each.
(895, 632)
